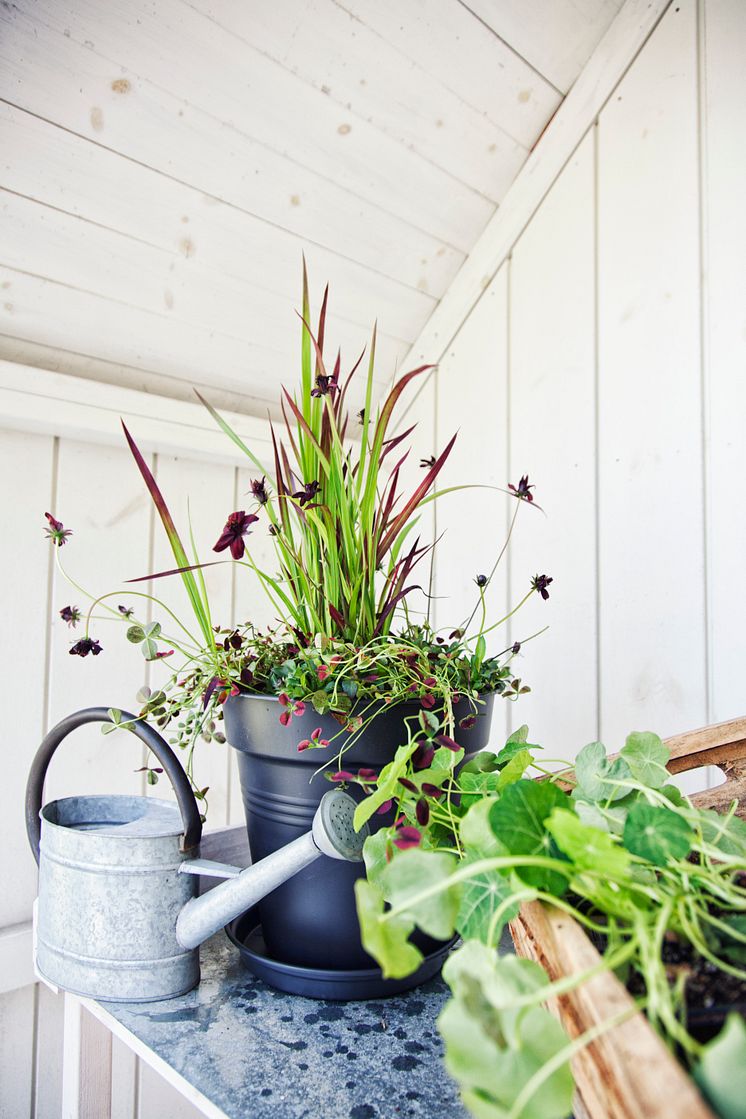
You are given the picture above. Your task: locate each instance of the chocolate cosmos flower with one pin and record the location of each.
(236, 527)
(541, 583)
(308, 493)
(426, 463)
(70, 614)
(259, 490)
(85, 646)
(325, 385)
(522, 491)
(56, 531)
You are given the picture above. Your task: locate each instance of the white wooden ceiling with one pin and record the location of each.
(163, 164)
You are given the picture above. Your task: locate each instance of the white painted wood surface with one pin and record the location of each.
(552, 438)
(652, 643)
(163, 166)
(472, 397)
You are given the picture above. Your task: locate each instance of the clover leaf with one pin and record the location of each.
(657, 834)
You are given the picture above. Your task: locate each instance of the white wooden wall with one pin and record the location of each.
(607, 359)
(97, 491)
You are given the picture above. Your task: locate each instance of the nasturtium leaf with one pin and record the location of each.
(727, 835)
(493, 1051)
(483, 762)
(480, 897)
(674, 795)
(414, 871)
(646, 757)
(387, 786)
(517, 819)
(476, 833)
(733, 948)
(476, 785)
(610, 819)
(517, 741)
(589, 848)
(721, 1072)
(657, 834)
(595, 773)
(374, 855)
(387, 940)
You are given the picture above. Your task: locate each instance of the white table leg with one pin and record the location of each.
(86, 1066)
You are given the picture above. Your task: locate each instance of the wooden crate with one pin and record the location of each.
(628, 1073)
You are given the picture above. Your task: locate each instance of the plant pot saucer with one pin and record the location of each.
(323, 983)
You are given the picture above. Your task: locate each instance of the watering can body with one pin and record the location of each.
(118, 917)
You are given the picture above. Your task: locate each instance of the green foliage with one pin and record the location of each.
(518, 820)
(597, 777)
(721, 1072)
(646, 757)
(657, 834)
(495, 1051)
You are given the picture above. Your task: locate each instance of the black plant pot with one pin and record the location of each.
(311, 920)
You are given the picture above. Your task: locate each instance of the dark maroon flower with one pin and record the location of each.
(236, 527)
(449, 743)
(247, 677)
(432, 790)
(407, 837)
(259, 490)
(541, 583)
(427, 463)
(56, 531)
(125, 611)
(481, 580)
(273, 531)
(71, 615)
(522, 491)
(85, 646)
(423, 756)
(428, 701)
(410, 785)
(455, 635)
(467, 722)
(422, 812)
(325, 385)
(308, 493)
(516, 647)
(361, 417)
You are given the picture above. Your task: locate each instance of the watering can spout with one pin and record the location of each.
(332, 834)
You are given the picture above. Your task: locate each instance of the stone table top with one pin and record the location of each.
(256, 1053)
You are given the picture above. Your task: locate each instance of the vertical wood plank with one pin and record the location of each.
(552, 439)
(49, 1043)
(25, 565)
(472, 397)
(723, 47)
(95, 1069)
(652, 603)
(16, 1053)
(156, 1097)
(100, 496)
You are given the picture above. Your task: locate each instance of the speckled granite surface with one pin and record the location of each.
(259, 1054)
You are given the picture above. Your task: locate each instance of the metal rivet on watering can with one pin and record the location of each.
(118, 918)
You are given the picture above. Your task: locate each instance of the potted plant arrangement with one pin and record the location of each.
(608, 846)
(353, 685)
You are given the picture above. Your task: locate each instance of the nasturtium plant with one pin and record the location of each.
(610, 842)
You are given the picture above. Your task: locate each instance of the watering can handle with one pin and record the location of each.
(163, 752)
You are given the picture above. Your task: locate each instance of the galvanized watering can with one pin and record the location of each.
(118, 914)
